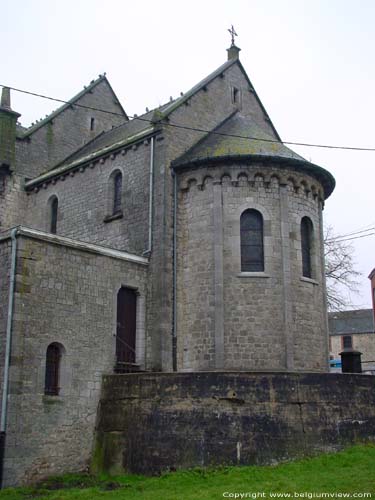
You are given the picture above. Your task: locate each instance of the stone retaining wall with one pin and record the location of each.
(153, 422)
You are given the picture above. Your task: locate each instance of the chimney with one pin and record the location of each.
(8, 120)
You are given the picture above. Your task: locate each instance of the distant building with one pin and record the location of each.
(372, 279)
(354, 329)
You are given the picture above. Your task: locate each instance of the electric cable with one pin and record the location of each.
(194, 129)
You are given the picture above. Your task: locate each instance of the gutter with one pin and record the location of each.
(151, 199)
(174, 312)
(8, 345)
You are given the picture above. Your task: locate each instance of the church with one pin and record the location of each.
(184, 240)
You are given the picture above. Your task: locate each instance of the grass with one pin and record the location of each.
(350, 471)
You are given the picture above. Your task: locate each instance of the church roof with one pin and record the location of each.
(169, 108)
(239, 137)
(22, 132)
(106, 141)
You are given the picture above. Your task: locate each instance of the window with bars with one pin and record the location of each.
(306, 247)
(117, 189)
(53, 361)
(252, 252)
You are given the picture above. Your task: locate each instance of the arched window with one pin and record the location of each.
(54, 205)
(306, 246)
(53, 362)
(117, 189)
(252, 253)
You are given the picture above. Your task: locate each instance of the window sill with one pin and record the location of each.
(309, 280)
(50, 399)
(110, 218)
(255, 274)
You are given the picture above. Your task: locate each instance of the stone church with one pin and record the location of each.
(187, 239)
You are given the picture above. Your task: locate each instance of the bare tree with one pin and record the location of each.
(340, 271)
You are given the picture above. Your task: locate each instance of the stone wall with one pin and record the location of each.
(68, 131)
(64, 294)
(208, 107)
(229, 319)
(153, 422)
(13, 201)
(85, 199)
(5, 263)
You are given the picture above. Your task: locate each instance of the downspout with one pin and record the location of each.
(174, 329)
(8, 345)
(151, 190)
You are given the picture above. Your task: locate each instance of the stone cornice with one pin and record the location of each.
(319, 173)
(75, 244)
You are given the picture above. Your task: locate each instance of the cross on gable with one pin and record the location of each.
(233, 33)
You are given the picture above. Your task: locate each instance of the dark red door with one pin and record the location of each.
(126, 325)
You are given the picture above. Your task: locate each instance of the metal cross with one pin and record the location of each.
(233, 33)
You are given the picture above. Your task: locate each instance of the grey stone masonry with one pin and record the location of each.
(206, 109)
(272, 320)
(85, 201)
(40, 148)
(77, 286)
(153, 204)
(212, 419)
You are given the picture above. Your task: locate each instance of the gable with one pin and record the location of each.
(68, 128)
(235, 88)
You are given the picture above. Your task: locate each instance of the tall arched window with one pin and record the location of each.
(54, 205)
(117, 189)
(53, 362)
(306, 246)
(252, 253)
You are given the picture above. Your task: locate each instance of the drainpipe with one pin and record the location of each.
(151, 190)
(174, 329)
(4, 406)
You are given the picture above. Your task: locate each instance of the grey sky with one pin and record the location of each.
(310, 61)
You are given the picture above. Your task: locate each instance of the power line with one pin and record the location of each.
(194, 129)
(348, 239)
(353, 233)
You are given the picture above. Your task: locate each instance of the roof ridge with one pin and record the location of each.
(187, 95)
(228, 64)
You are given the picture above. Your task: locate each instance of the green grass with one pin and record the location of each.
(349, 471)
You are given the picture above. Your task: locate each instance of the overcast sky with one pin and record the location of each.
(311, 62)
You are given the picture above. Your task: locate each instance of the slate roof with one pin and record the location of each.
(112, 137)
(25, 132)
(351, 322)
(239, 137)
(159, 114)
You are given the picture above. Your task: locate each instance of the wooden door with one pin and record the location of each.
(126, 325)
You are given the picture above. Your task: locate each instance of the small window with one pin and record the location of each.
(251, 229)
(53, 361)
(92, 123)
(117, 189)
(236, 96)
(347, 342)
(306, 246)
(54, 205)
